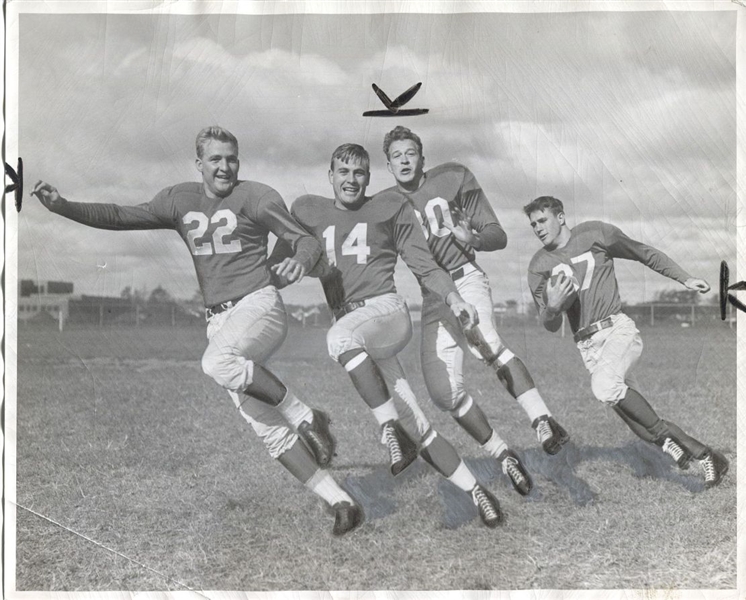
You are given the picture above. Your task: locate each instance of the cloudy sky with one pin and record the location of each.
(627, 117)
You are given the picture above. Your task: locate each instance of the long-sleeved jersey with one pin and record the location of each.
(227, 237)
(453, 186)
(588, 257)
(361, 247)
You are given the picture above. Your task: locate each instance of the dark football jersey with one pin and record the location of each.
(227, 237)
(444, 187)
(588, 258)
(360, 247)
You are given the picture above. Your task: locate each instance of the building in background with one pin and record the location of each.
(44, 300)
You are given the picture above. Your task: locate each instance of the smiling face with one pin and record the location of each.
(548, 227)
(349, 180)
(406, 163)
(219, 167)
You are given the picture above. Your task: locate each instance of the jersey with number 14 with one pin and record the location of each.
(588, 259)
(227, 237)
(361, 247)
(448, 185)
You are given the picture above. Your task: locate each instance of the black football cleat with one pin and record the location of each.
(318, 438)
(673, 448)
(487, 505)
(715, 466)
(551, 435)
(347, 517)
(516, 472)
(402, 448)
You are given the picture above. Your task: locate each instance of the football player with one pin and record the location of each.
(363, 237)
(458, 221)
(574, 273)
(224, 223)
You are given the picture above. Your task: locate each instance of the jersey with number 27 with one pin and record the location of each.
(227, 237)
(588, 259)
(361, 247)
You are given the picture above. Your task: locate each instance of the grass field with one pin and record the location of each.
(157, 483)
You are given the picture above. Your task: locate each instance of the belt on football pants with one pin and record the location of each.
(586, 332)
(216, 309)
(347, 308)
(457, 274)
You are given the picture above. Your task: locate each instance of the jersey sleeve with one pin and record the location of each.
(536, 283)
(620, 245)
(274, 215)
(115, 217)
(412, 247)
(283, 250)
(475, 205)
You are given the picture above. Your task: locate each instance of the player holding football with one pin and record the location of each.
(225, 223)
(363, 238)
(458, 221)
(574, 273)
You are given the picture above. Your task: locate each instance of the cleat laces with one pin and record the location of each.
(708, 464)
(484, 505)
(673, 449)
(544, 431)
(511, 469)
(392, 442)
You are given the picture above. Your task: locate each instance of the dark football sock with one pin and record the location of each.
(366, 377)
(514, 376)
(637, 410)
(441, 456)
(266, 387)
(299, 461)
(475, 423)
(637, 429)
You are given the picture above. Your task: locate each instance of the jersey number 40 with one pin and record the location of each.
(355, 244)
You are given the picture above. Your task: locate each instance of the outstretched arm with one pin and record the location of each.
(620, 245)
(102, 216)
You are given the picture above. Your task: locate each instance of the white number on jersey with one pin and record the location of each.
(586, 257)
(200, 248)
(355, 244)
(432, 217)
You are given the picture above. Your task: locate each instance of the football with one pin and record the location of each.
(553, 280)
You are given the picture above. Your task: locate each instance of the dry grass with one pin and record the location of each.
(123, 440)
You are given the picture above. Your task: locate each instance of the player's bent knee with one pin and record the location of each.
(234, 373)
(459, 405)
(608, 390)
(339, 341)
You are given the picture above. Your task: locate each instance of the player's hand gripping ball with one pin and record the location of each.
(562, 287)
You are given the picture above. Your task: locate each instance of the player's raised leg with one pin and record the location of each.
(437, 451)
(610, 357)
(486, 344)
(286, 447)
(442, 361)
(381, 328)
(247, 334)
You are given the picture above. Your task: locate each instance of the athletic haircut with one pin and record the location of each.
(214, 133)
(351, 152)
(544, 203)
(397, 134)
